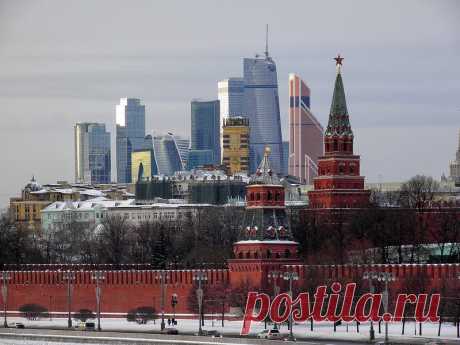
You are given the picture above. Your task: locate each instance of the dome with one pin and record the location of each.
(33, 185)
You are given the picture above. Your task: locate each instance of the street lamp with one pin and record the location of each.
(369, 276)
(162, 277)
(174, 302)
(200, 276)
(5, 277)
(385, 277)
(98, 276)
(273, 276)
(291, 275)
(69, 276)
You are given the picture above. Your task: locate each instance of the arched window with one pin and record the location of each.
(287, 253)
(269, 253)
(257, 196)
(341, 169)
(248, 255)
(336, 145)
(277, 255)
(277, 196)
(256, 255)
(352, 169)
(240, 255)
(269, 195)
(251, 196)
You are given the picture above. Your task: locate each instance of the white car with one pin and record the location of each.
(270, 334)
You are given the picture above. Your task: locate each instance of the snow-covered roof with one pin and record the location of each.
(267, 242)
(99, 202)
(92, 192)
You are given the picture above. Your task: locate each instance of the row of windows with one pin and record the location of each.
(265, 196)
(267, 254)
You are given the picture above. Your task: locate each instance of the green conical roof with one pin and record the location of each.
(339, 122)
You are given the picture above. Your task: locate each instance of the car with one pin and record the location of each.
(170, 331)
(270, 334)
(19, 325)
(90, 326)
(211, 333)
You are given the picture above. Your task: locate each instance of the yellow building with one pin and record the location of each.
(235, 154)
(25, 211)
(146, 158)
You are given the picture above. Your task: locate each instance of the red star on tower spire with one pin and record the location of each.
(338, 60)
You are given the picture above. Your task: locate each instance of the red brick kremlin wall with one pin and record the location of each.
(126, 290)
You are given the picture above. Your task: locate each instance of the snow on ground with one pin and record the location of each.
(322, 330)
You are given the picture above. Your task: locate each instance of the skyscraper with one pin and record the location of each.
(92, 153)
(455, 165)
(230, 93)
(231, 97)
(285, 167)
(130, 120)
(205, 128)
(143, 164)
(305, 133)
(235, 154)
(167, 155)
(183, 145)
(261, 106)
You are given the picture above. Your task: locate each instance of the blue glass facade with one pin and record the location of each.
(92, 153)
(205, 128)
(261, 106)
(197, 158)
(130, 119)
(167, 155)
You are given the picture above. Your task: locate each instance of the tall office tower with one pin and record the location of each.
(130, 120)
(235, 154)
(305, 133)
(183, 145)
(261, 106)
(92, 153)
(167, 155)
(143, 165)
(455, 165)
(231, 97)
(205, 134)
(285, 170)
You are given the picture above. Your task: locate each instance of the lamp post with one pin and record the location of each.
(5, 277)
(273, 276)
(173, 304)
(98, 277)
(291, 275)
(369, 276)
(200, 276)
(69, 276)
(385, 277)
(162, 277)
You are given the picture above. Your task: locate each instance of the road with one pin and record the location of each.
(35, 336)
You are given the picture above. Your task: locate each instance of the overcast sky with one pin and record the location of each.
(63, 62)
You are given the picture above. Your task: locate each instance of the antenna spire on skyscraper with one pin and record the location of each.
(266, 41)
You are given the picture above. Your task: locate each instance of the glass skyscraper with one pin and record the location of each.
(130, 120)
(205, 128)
(261, 106)
(167, 156)
(305, 133)
(92, 153)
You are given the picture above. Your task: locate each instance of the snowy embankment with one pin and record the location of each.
(324, 330)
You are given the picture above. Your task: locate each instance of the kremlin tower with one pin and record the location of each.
(338, 184)
(266, 242)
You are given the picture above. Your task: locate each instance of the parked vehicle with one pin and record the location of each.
(19, 325)
(270, 334)
(90, 326)
(170, 331)
(211, 333)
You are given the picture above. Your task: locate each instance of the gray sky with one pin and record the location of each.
(62, 62)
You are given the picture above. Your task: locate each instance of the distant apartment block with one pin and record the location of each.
(235, 155)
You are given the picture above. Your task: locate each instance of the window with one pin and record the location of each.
(269, 253)
(335, 145)
(287, 253)
(257, 196)
(269, 195)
